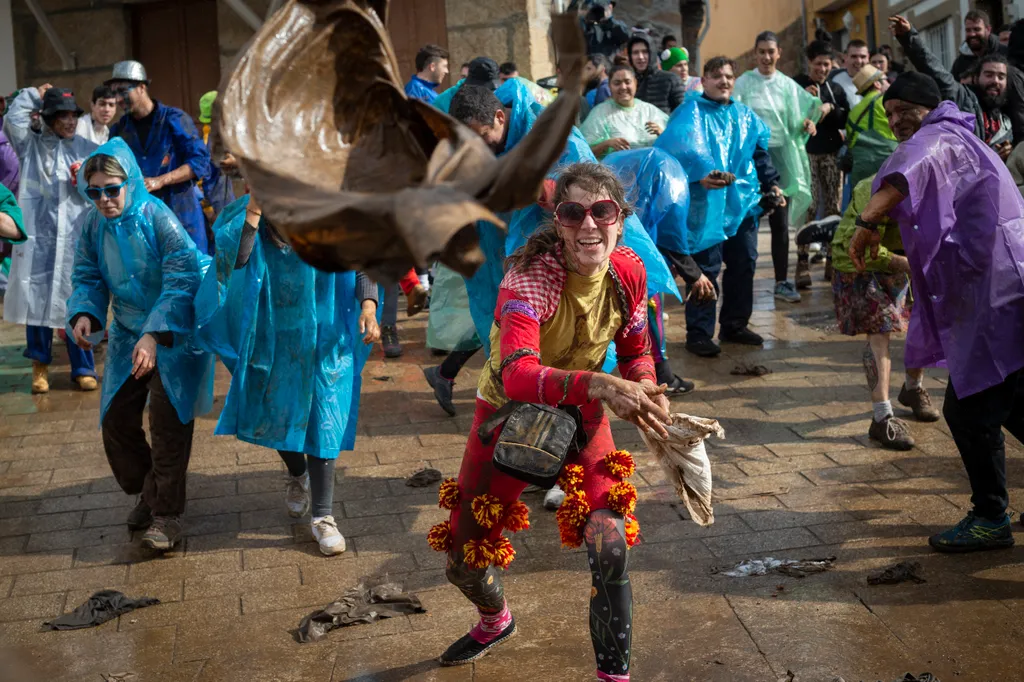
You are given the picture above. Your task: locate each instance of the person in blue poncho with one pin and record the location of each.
(723, 148)
(431, 70)
(295, 341)
(134, 253)
(167, 147)
(502, 118)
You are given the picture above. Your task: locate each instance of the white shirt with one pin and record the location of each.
(90, 131)
(845, 81)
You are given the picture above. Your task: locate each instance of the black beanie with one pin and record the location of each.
(915, 88)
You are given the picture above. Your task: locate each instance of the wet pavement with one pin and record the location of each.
(795, 478)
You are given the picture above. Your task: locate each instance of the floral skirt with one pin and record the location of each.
(872, 302)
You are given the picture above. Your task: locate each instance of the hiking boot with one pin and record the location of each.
(974, 534)
(163, 534)
(416, 300)
(326, 532)
(442, 389)
(678, 386)
(785, 291)
(705, 348)
(86, 383)
(140, 517)
(467, 649)
(820, 231)
(40, 377)
(389, 341)
(920, 403)
(803, 275)
(296, 495)
(741, 336)
(892, 433)
(554, 498)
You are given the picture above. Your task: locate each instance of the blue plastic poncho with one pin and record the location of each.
(148, 266)
(289, 335)
(497, 245)
(784, 106)
(173, 142)
(660, 193)
(704, 135)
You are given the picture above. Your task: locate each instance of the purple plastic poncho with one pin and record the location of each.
(962, 225)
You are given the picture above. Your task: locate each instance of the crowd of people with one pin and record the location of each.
(129, 230)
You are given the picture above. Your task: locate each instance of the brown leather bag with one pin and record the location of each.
(535, 440)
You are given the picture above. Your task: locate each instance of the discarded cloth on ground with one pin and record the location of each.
(423, 478)
(357, 175)
(897, 573)
(686, 463)
(100, 607)
(369, 601)
(794, 568)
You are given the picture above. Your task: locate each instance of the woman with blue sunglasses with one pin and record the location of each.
(134, 253)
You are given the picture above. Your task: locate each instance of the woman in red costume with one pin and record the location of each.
(567, 294)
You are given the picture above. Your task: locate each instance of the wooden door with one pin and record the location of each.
(178, 43)
(413, 24)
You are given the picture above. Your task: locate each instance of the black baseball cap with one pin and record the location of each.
(56, 100)
(483, 71)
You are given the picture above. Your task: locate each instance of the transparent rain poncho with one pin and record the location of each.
(496, 244)
(40, 277)
(659, 190)
(704, 135)
(450, 325)
(609, 120)
(784, 106)
(146, 265)
(289, 335)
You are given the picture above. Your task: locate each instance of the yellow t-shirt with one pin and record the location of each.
(575, 338)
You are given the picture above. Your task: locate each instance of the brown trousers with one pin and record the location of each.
(158, 472)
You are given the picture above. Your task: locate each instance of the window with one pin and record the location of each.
(938, 38)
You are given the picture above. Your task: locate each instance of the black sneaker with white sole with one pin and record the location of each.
(820, 231)
(467, 649)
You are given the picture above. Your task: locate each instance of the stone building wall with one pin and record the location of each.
(505, 30)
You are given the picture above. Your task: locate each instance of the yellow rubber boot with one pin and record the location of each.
(40, 377)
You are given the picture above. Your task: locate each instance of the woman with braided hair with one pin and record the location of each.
(567, 294)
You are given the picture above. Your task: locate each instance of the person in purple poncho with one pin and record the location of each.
(962, 223)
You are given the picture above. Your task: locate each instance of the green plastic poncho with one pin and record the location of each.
(868, 137)
(450, 325)
(609, 120)
(146, 264)
(784, 106)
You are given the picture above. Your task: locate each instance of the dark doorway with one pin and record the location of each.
(413, 24)
(177, 42)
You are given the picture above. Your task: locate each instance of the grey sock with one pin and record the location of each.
(882, 410)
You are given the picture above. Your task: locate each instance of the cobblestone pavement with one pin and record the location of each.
(796, 477)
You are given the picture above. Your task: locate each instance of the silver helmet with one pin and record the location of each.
(128, 71)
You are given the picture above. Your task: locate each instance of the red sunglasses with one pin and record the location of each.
(572, 213)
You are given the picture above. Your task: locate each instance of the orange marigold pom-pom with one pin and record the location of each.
(575, 509)
(571, 534)
(620, 463)
(632, 530)
(448, 494)
(478, 553)
(440, 536)
(517, 517)
(487, 510)
(571, 478)
(503, 552)
(622, 498)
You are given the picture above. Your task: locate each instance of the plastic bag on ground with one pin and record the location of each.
(794, 568)
(686, 463)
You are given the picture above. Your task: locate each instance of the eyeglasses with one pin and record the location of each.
(572, 214)
(111, 191)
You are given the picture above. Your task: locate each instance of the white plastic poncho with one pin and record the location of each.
(609, 120)
(784, 106)
(40, 278)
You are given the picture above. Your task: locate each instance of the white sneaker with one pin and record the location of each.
(296, 495)
(553, 498)
(326, 532)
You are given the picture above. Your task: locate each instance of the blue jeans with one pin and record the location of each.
(739, 255)
(40, 349)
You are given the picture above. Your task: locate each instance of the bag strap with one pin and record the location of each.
(485, 432)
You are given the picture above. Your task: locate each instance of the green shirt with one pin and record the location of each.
(890, 232)
(9, 205)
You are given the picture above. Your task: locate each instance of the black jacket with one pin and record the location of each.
(604, 37)
(663, 89)
(965, 62)
(829, 138)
